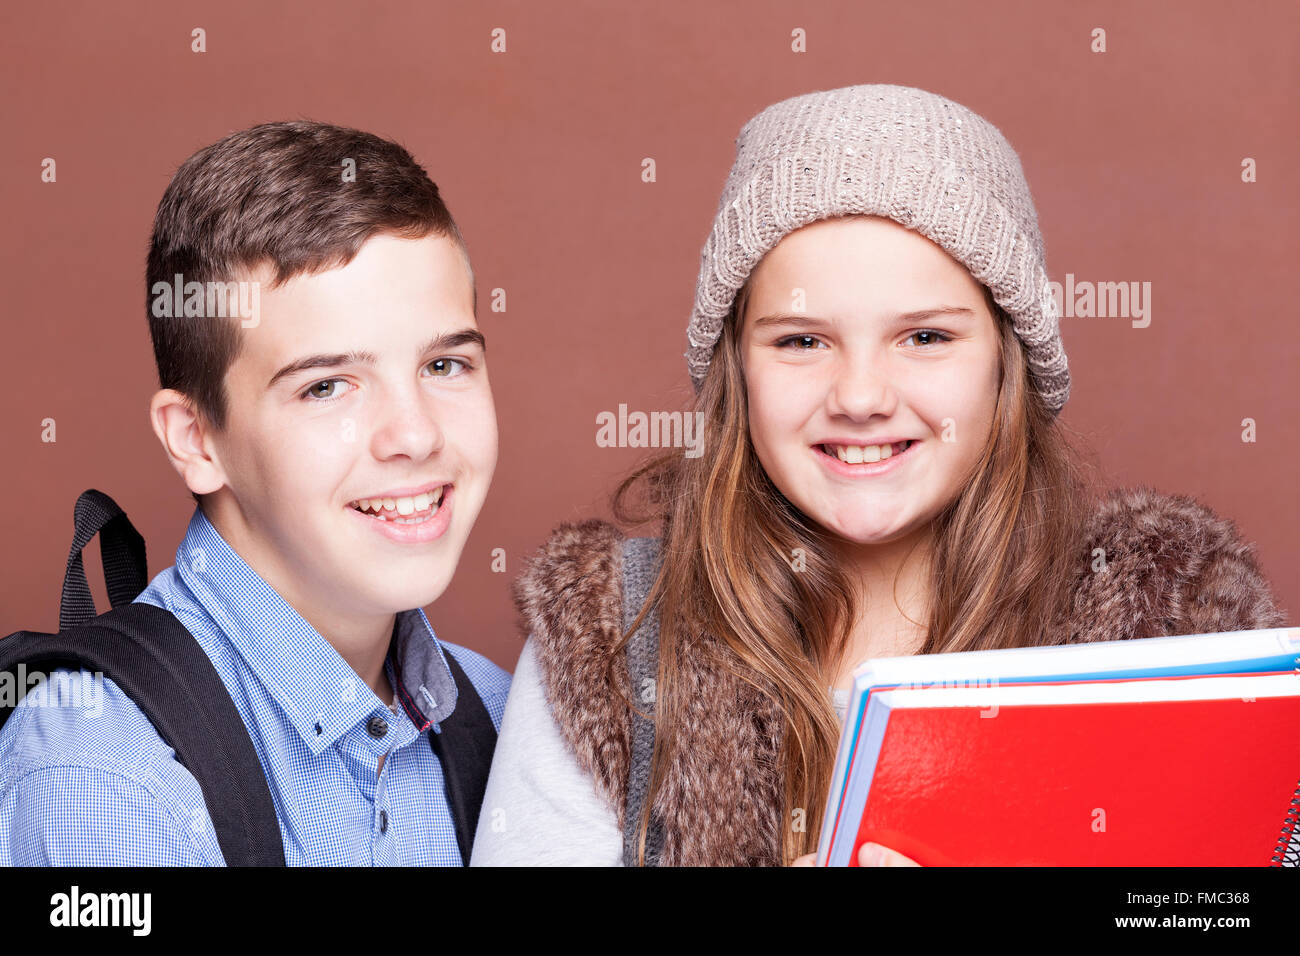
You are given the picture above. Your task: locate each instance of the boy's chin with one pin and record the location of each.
(411, 590)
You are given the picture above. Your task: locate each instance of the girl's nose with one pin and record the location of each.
(859, 390)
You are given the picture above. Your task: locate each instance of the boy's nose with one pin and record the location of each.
(410, 429)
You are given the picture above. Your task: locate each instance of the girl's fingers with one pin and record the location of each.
(873, 854)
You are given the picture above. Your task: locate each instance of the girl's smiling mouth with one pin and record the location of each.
(855, 461)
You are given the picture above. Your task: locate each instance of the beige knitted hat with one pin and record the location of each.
(915, 157)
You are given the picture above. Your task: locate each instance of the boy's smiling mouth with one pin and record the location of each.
(410, 508)
(420, 516)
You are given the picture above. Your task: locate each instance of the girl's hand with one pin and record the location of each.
(867, 856)
(873, 854)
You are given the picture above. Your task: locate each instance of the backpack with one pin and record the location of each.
(156, 662)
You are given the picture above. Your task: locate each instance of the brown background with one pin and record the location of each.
(1133, 157)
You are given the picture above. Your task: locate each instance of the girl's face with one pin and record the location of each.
(859, 333)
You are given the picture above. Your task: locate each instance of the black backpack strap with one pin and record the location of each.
(148, 653)
(640, 567)
(126, 572)
(464, 743)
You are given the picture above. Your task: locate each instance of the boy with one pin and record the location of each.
(337, 432)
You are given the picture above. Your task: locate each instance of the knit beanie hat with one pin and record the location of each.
(905, 154)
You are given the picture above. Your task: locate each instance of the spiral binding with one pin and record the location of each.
(1287, 851)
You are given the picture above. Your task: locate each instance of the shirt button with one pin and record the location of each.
(377, 727)
(383, 821)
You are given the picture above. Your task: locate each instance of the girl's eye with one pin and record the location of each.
(801, 343)
(448, 367)
(934, 337)
(327, 395)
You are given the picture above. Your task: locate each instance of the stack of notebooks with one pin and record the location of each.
(1168, 751)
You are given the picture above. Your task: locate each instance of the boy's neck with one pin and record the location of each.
(362, 643)
(365, 656)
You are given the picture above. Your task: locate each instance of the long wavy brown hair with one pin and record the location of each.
(1003, 561)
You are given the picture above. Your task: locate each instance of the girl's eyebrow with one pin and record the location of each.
(444, 340)
(920, 315)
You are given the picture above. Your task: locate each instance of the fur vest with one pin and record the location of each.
(1173, 567)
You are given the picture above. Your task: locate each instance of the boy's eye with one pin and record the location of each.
(448, 367)
(326, 389)
(315, 390)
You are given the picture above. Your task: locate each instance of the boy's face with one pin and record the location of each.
(363, 382)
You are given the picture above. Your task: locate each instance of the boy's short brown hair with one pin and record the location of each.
(279, 194)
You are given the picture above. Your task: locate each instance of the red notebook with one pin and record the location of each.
(1207, 782)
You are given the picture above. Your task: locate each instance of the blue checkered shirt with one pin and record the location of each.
(90, 782)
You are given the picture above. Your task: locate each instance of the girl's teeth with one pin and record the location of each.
(864, 454)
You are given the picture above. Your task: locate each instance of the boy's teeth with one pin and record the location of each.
(400, 506)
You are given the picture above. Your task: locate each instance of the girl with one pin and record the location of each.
(878, 361)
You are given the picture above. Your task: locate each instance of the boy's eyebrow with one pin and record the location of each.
(921, 315)
(444, 340)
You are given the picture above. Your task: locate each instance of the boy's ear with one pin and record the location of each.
(186, 440)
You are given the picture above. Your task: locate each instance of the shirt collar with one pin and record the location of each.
(320, 694)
